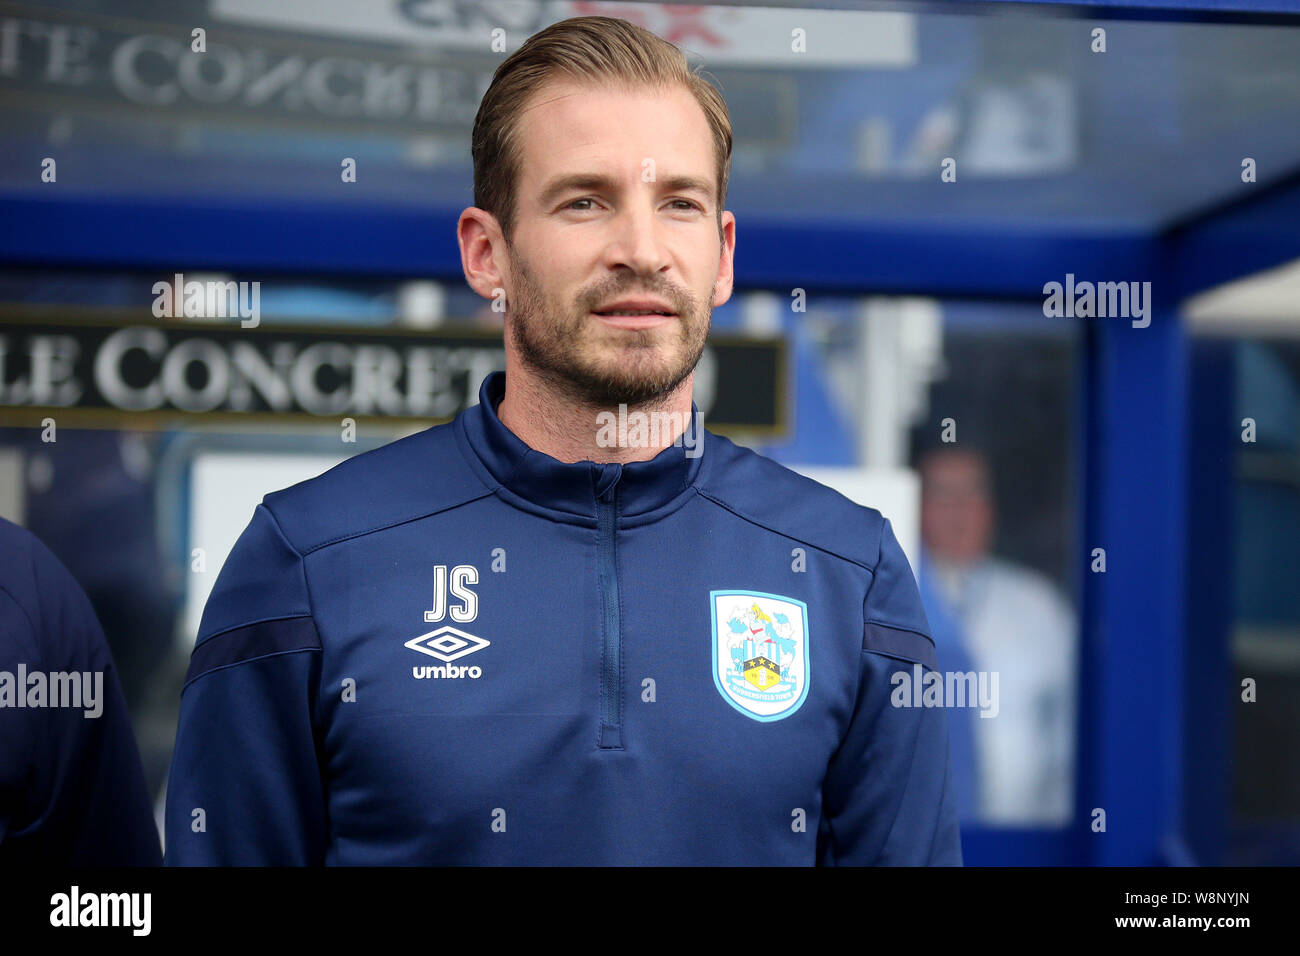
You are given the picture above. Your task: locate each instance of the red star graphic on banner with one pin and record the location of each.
(684, 22)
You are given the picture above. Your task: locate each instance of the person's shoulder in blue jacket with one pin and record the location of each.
(72, 789)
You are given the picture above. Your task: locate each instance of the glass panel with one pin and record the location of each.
(1266, 629)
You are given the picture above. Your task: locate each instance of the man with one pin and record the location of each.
(532, 637)
(1004, 619)
(72, 791)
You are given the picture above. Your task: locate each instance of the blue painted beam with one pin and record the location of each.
(246, 236)
(370, 241)
(1214, 436)
(367, 240)
(1237, 240)
(1132, 714)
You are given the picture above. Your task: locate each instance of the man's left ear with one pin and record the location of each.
(726, 261)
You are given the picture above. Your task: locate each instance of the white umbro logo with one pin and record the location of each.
(447, 644)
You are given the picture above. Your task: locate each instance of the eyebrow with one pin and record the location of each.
(574, 182)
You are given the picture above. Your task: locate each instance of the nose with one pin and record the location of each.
(637, 241)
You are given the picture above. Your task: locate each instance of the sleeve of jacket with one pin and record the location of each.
(888, 798)
(245, 782)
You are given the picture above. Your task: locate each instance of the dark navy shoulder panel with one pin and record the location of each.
(899, 642)
(253, 642)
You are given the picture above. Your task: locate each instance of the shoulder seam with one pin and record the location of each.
(754, 521)
(392, 524)
(880, 554)
(302, 569)
(899, 627)
(893, 656)
(261, 620)
(248, 660)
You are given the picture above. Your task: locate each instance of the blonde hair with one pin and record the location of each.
(586, 49)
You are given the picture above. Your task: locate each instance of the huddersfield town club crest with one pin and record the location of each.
(760, 652)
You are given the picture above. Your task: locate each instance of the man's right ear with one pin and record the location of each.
(479, 236)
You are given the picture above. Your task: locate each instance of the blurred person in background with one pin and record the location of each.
(991, 615)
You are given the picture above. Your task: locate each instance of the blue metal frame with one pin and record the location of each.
(1212, 443)
(1258, 233)
(371, 241)
(1132, 671)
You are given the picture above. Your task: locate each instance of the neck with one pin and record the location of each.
(554, 424)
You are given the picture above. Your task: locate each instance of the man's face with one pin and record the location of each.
(592, 233)
(956, 507)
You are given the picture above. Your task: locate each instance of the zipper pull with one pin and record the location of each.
(607, 481)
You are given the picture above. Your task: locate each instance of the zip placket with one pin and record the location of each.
(611, 665)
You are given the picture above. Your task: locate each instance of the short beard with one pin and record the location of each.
(552, 348)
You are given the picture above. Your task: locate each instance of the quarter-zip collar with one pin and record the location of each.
(573, 489)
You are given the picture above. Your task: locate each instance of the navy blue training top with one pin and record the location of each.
(455, 649)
